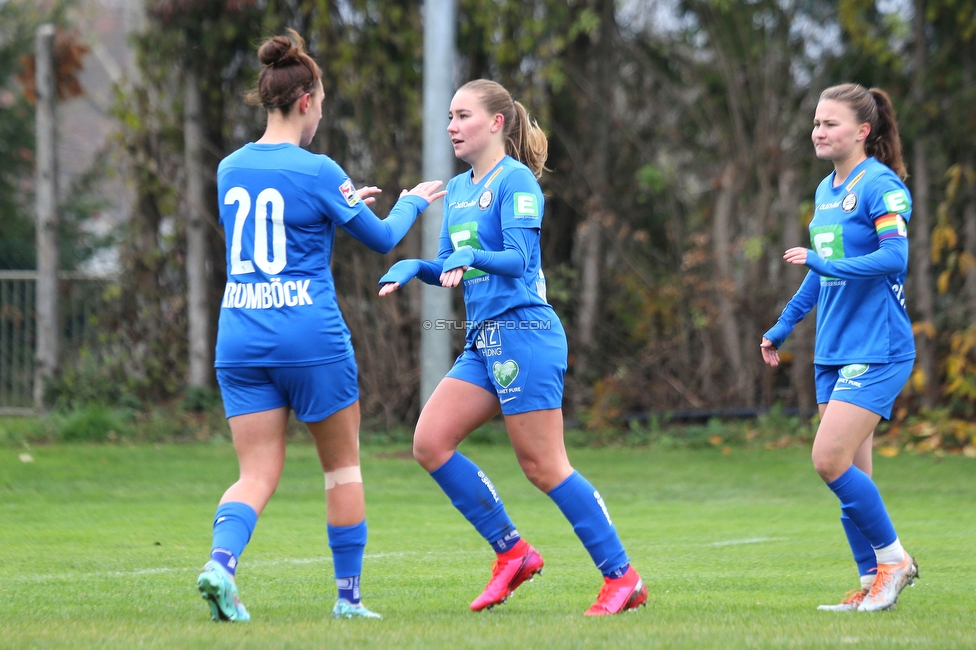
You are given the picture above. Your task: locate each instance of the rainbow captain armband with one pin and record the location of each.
(890, 225)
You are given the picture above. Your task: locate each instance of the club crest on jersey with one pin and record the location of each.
(485, 199)
(849, 203)
(348, 192)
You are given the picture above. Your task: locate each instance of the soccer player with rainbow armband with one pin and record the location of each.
(865, 348)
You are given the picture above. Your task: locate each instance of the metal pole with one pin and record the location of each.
(47, 213)
(201, 362)
(439, 82)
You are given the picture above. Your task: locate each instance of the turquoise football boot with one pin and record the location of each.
(218, 589)
(344, 609)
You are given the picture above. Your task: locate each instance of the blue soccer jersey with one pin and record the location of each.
(860, 236)
(279, 206)
(475, 214)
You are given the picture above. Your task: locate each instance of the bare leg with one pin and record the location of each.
(455, 409)
(844, 430)
(537, 437)
(863, 457)
(259, 440)
(337, 442)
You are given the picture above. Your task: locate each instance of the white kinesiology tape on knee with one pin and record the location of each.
(343, 475)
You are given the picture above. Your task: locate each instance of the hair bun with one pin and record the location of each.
(276, 50)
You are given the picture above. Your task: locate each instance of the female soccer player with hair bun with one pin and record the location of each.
(514, 357)
(865, 349)
(282, 343)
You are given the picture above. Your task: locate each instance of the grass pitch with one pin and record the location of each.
(100, 546)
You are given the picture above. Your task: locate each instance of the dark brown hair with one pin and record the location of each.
(873, 107)
(289, 72)
(524, 140)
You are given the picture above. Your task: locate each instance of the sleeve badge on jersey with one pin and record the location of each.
(897, 201)
(348, 192)
(526, 205)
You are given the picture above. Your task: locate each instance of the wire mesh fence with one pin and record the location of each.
(82, 300)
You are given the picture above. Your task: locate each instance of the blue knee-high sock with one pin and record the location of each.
(861, 502)
(867, 561)
(584, 508)
(233, 525)
(347, 544)
(472, 493)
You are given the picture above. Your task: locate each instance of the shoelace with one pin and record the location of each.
(853, 596)
(497, 567)
(883, 578)
(605, 591)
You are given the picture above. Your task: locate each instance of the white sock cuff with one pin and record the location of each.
(891, 554)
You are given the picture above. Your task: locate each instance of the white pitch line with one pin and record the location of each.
(257, 563)
(749, 540)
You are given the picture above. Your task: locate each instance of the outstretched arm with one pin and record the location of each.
(406, 270)
(382, 235)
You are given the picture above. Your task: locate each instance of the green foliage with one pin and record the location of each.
(17, 22)
(99, 375)
(708, 116)
(96, 423)
(200, 398)
(929, 431)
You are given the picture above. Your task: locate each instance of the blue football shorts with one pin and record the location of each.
(520, 358)
(873, 386)
(313, 392)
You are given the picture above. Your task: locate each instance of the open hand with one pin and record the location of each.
(389, 288)
(769, 352)
(366, 194)
(796, 256)
(453, 277)
(426, 190)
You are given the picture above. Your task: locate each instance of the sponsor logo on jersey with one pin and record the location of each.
(854, 370)
(485, 199)
(505, 373)
(829, 206)
(850, 186)
(462, 204)
(266, 295)
(899, 291)
(466, 234)
(849, 203)
(897, 201)
(828, 241)
(489, 339)
(526, 205)
(493, 176)
(348, 192)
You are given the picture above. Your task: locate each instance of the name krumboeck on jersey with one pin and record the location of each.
(276, 294)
